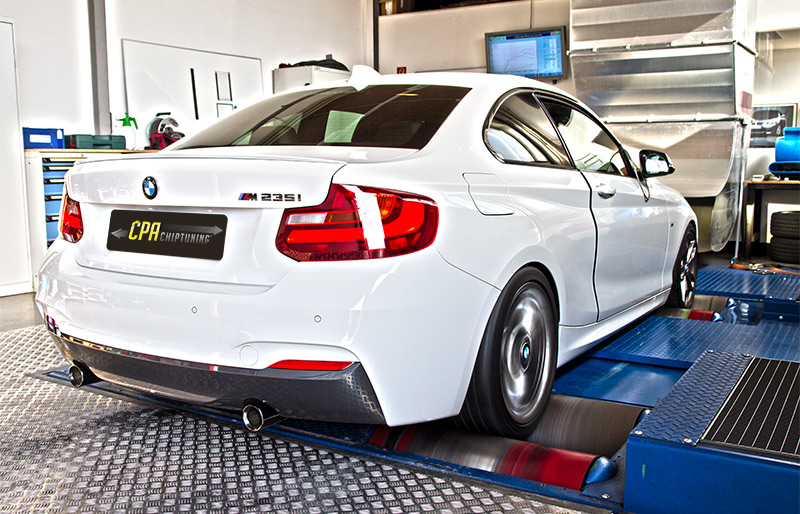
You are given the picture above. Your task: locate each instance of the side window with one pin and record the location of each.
(520, 132)
(590, 144)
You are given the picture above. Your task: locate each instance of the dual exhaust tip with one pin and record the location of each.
(256, 414)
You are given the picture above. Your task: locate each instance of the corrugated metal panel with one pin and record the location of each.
(599, 24)
(664, 59)
(763, 411)
(712, 81)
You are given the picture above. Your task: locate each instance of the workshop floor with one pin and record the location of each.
(68, 450)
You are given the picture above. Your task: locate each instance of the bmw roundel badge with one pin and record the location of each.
(150, 188)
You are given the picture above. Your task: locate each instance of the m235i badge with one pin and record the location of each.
(271, 197)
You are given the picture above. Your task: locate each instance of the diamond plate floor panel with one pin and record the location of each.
(685, 412)
(69, 450)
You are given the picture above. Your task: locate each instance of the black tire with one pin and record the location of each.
(519, 349)
(785, 224)
(684, 273)
(785, 250)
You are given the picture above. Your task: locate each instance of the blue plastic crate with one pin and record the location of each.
(42, 137)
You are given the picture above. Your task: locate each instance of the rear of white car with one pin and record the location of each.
(226, 275)
(348, 254)
(331, 338)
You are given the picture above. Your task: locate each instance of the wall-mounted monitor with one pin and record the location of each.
(534, 53)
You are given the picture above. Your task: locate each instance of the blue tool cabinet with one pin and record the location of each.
(44, 172)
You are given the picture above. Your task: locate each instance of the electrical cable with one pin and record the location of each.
(762, 269)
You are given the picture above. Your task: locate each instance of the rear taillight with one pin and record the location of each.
(358, 223)
(70, 225)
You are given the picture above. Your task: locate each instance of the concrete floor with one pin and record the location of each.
(18, 311)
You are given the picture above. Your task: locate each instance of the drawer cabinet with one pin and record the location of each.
(44, 177)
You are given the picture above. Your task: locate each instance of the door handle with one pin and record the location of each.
(605, 191)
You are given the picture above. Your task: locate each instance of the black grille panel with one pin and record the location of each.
(763, 410)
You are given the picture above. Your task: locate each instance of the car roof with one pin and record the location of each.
(485, 84)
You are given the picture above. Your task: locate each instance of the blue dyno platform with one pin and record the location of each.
(672, 466)
(681, 342)
(641, 364)
(778, 291)
(747, 284)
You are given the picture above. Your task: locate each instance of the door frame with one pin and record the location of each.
(27, 285)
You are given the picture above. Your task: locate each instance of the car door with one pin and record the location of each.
(546, 189)
(632, 227)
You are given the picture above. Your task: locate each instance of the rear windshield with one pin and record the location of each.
(394, 116)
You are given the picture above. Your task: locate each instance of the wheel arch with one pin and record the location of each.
(482, 398)
(551, 282)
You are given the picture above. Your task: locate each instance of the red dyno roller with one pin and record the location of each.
(701, 315)
(521, 459)
(553, 466)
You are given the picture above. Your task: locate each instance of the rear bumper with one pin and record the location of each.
(338, 396)
(413, 324)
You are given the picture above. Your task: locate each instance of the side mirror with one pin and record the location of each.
(655, 163)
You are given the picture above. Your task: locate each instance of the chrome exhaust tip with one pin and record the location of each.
(80, 375)
(257, 415)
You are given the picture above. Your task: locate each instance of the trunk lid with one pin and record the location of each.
(213, 216)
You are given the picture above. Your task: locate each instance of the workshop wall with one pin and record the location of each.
(453, 39)
(774, 87)
(777, 15)
(781, 86)
(53, 63)
(275, 32)
(53, 57)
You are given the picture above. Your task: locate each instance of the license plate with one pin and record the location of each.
(179, 234)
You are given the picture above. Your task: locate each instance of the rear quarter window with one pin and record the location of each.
(520, 132)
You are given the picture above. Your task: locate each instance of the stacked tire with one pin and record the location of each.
(785, 244)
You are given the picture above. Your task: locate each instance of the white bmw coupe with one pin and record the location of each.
(390, 249)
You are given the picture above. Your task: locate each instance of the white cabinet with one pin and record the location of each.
(288, 78)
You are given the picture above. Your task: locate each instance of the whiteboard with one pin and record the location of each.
(197, 87)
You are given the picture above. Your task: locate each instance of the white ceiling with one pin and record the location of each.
(777, 15)
(788, 39)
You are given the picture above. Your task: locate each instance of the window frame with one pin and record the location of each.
(634, 174)
(493, 112)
